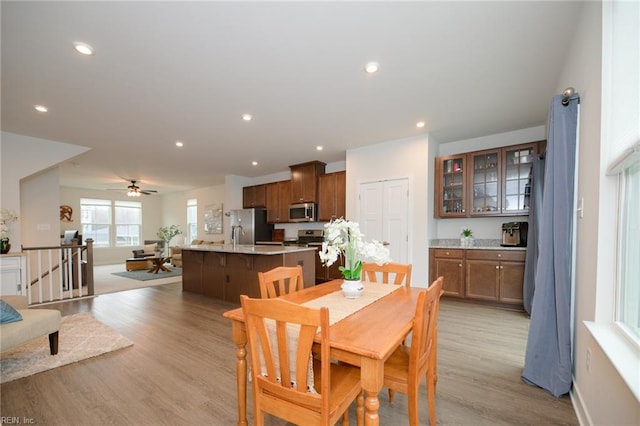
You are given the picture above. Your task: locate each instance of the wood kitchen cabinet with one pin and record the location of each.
(254, 196)
(451, 186)
(448, 263)
(304, 181)
(331, 196)
(278, 196)
(324, 273)
(494, 182)
(495, 275)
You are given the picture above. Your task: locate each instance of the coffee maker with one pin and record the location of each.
(514, 234)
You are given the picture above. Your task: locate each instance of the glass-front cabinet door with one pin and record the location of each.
(451, 190)
(485, 183)
(518, 163)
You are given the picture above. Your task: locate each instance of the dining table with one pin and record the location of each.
(365, 338)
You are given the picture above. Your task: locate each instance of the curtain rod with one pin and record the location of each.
(569, 94)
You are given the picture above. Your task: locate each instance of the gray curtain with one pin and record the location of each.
(548, 361)
(533, 239)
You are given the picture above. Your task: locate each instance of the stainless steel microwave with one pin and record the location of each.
(302, 212)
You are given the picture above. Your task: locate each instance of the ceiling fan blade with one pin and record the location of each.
(147, 192)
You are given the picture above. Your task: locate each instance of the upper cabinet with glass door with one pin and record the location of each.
(451, 186)
(518, 163)
(485, 183)
(496, 182)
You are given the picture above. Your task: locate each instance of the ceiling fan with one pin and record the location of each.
(134, 190)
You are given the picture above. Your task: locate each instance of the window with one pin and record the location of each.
(96, 220)
(100, 217)
(192, 219)
(128, 219)
(628, 303)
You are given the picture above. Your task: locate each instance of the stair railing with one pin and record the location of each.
(59, 272)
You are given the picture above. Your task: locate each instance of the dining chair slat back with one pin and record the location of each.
(277, 388)
(389, 273)
(281, 280)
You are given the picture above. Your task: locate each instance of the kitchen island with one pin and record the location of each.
(225, 271)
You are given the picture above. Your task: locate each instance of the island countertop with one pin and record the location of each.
(248, 249)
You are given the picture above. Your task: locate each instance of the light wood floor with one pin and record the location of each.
(181, 369)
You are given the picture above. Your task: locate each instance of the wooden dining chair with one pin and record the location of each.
(389, 273)
(285, 388)
(280, 280)
(406, 367)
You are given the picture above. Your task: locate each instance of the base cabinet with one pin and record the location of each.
(327, 273)
(490, 276)
(12, 274)
(448, 264)
(226, 276)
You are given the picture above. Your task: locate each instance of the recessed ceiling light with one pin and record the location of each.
(41, 108)
(83, 48)
(179, 144)
(246, 117)
(254, 163)
(319, 148)
(371, 67)
(420, 124)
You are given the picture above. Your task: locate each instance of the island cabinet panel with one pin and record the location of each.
(304, 181)
(213, 272)
(448, 263)
(192, 276)
(227, 274)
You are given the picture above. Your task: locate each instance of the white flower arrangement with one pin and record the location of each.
(6, 216)
(343, 238)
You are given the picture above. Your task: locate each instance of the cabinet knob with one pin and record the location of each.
(447, 253)
(460, 265)
(497, 267)
(499, 255)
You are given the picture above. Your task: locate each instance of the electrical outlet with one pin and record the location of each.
(588, 361)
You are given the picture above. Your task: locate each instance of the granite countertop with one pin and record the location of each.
(248, 249)
(479, 244)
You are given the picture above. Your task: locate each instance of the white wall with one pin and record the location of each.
(407, 158)
(40, 209)
(23, 156)
(600, 395)
(175, 209)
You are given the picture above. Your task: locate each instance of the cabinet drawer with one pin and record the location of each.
(448, 253)
(10, 263)
(497, 255)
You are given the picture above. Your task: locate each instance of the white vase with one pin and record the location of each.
(352, 289)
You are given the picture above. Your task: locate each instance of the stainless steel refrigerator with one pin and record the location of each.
(249, 226)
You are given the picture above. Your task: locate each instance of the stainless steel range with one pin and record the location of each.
(307, 237)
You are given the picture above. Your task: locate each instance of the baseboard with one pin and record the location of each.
(578, 405)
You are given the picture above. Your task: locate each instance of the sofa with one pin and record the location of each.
(20, 325)
(176, 251)
(149, 248)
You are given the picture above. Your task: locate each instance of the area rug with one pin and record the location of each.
(146, 276)
(81, 337)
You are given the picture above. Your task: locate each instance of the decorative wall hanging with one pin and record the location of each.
(213, 219)
(65, 214)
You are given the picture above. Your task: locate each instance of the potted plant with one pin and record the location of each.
(466, 238)
(166, 233)
(343, 238)
(6, 216)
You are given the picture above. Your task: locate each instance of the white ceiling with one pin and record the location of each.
(167, 71)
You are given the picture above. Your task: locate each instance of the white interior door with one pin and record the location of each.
(383, 215)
